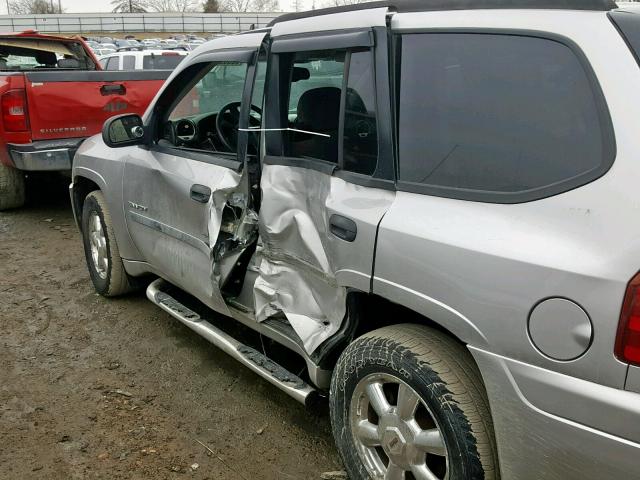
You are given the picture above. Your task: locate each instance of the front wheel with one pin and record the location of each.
(407, 402)
(101, 250)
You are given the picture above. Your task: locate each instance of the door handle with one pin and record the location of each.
(112, 90)
(200, 193)
(343, 228)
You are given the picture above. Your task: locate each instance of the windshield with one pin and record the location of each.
(221, 85)
(31, 53)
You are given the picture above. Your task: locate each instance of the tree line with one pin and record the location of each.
(39, 7)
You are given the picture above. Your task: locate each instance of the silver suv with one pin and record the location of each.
(432, 205)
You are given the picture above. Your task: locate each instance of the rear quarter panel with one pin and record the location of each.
(478, 268)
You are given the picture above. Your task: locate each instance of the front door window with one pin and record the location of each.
(207, 116)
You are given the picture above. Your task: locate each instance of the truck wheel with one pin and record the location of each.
(100, 248)
(12, 193)
(408, 402)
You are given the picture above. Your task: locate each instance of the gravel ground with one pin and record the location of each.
(96, 388)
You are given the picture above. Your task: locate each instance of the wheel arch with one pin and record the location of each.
(368, 311)
(82, 186)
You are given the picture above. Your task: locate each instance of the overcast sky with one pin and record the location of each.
(87, 6)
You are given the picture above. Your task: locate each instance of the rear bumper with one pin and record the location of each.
(553, 426)
(44, 155)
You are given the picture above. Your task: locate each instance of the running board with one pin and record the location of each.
(274, 373)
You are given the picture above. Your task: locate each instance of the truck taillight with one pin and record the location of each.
(14, 111)
(628, 340)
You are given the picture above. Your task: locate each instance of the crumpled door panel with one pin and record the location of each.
(297, 276)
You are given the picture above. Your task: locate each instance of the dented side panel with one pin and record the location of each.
(173, 232)
(304, 269)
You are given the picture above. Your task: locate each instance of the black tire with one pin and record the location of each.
(12, 188)
(112, 280)
(442, 373)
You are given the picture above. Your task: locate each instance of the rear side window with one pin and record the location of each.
(313, 112)
(498, 118)
(161, 62)
(113, 63)
(129, 62)
(360, 136)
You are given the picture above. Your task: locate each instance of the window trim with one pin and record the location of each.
(384, 175)
(609, 147)
(221, 159)
(619, 21)
(327, 40)
(185, 82)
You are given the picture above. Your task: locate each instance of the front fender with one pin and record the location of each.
(97, 165)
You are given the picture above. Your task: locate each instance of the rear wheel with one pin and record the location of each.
(407, 402)
(12, 190)
(101, 250)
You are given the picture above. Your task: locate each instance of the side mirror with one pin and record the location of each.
(123, 131)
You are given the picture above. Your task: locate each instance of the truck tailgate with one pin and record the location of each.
(76, 103)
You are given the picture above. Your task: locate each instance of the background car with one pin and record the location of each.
(98, 52)
(144, 60)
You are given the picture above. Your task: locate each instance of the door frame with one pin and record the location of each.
(377, 39)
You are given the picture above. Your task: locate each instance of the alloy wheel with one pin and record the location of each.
(395, 433)
(98, 243)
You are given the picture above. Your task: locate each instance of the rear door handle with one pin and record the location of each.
(200, 193)
(343, 227)
(111, 89)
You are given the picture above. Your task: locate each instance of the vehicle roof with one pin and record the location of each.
(40, 36)
(442, 5)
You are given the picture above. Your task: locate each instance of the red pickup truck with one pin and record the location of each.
(53, 95)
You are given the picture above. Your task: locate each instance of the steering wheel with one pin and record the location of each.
(227, 122)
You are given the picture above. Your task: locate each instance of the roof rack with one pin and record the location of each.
(439, 5)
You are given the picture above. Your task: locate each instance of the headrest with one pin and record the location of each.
(68, 63)
(46, 58)
(319, 109)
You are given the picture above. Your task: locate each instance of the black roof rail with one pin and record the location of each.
(441, 5)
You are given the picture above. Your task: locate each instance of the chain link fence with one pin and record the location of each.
(134, 22)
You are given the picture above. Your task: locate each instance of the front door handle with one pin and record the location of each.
(343, 227)
(200, 193)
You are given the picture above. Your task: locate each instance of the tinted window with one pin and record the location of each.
(314, 104)
(360, 144)
(113, 63)
(161, 62)
(129, 62)
(496, 114)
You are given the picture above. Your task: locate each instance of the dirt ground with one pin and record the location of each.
(96, 388)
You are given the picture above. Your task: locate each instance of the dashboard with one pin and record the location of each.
(194, 132)
(186, 130)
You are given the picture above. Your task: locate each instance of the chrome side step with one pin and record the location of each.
(275, 374)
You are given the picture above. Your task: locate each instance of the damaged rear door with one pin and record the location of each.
(186, 196)
(327, 176)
